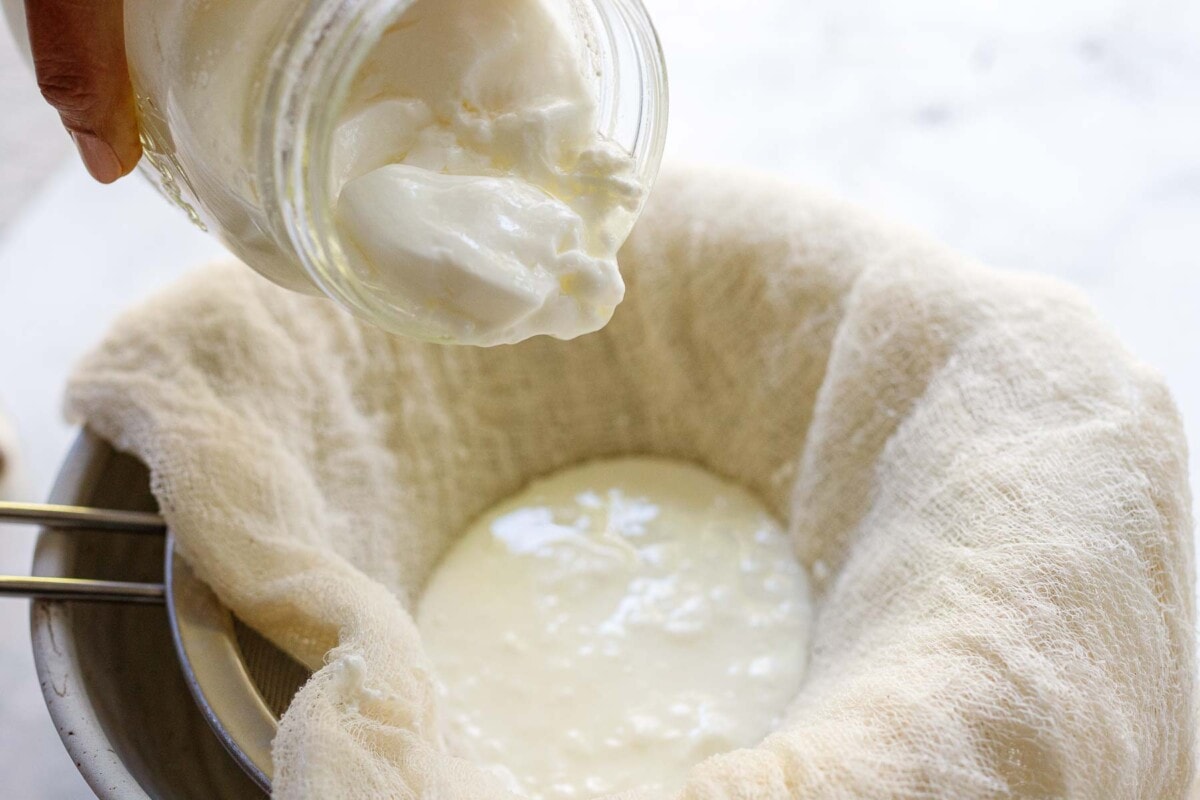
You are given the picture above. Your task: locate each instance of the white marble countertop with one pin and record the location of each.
(1062, 138)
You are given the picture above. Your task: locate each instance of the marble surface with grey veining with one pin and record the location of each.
(1062, 138)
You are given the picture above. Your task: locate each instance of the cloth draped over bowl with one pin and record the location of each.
(989, 491)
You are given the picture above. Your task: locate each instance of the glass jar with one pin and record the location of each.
(239, 101)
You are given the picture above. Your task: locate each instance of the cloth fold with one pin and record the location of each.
(989, 492)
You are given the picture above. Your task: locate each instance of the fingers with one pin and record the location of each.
(79, 56)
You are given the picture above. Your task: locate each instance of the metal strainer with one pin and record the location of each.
(241, 682)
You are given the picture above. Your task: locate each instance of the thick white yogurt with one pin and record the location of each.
(474, 192)
(613, 625)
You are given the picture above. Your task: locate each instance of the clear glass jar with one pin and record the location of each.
(239, 101)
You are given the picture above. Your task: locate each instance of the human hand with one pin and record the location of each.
(79, 57)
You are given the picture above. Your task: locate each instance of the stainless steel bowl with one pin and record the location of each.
(113, 682)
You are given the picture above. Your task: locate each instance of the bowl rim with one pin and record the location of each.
(52, 628)
(215, 672)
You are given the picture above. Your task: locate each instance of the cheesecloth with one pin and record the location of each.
(989, 492)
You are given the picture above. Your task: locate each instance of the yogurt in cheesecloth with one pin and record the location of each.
(473, 190)
(613, 625)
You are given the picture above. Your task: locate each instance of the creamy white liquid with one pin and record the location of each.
(474, 191)
(613, 625)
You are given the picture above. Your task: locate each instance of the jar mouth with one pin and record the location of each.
(310, 84)
(647, 136)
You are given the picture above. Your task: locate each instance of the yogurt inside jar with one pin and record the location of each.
(473, 191)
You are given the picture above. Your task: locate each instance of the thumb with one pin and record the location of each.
(79, 57)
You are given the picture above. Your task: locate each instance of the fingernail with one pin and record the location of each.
(99, 157)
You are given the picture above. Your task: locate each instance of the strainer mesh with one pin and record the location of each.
(275, 674)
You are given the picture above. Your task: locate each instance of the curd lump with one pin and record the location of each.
(474, 192)
(613, 625)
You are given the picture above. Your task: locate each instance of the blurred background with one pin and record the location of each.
(1058, 137)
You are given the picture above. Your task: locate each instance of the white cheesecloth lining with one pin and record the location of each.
(989, 491)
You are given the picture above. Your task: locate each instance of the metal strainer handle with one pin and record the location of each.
(79, 518)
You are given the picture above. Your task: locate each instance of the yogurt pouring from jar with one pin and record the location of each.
(472, 185)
